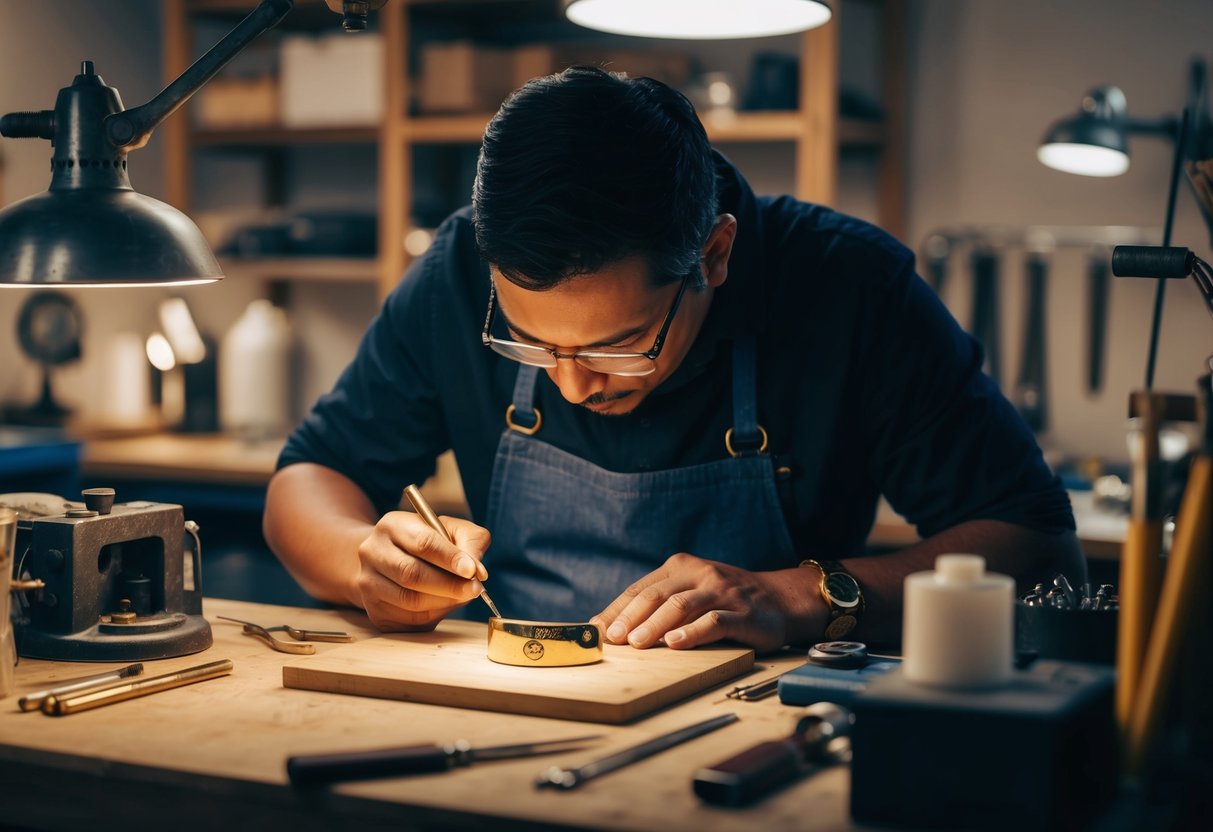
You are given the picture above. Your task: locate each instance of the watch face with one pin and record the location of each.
(842, 589)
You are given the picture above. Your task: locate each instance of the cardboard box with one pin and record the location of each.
(461, 77)
(335, 80)
(226, 103)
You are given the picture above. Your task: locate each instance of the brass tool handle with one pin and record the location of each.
(132, 690)
(33, 701)
(423, 509)
(295, 648)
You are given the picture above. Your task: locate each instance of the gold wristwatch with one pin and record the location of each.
(842, 595)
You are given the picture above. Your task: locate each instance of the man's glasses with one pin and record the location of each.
(602, 360)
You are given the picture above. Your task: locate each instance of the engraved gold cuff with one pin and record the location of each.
(542, 643)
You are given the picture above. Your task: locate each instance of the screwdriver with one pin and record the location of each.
(321, 769)
(422, 507)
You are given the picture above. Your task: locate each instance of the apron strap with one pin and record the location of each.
(522, 415)
(746, 437)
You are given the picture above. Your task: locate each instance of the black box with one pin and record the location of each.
(1037, 753)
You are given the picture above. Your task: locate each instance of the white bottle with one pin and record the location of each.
(255, 373)
(959, 625)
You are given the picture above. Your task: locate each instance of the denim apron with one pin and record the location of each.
(569, 537)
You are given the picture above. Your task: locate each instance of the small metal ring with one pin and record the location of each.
(525, 431)
(728, 441)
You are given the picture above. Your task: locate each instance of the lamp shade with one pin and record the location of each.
(699, 19)
(1092, 143)
(94, 236)
(91, 228)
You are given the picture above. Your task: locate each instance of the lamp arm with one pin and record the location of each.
(132, 128)
(1165, 126)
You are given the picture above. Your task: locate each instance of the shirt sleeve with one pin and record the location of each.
(382, 423)
(946, 445)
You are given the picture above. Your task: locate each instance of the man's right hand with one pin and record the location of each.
(411, 577)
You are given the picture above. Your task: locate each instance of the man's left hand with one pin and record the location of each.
(690, 601)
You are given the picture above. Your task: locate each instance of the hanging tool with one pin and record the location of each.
(985, 326)
(935, 250)
(323, 769)
(1030, 389)
(822, 737)
(571, 778)
(1097, 316)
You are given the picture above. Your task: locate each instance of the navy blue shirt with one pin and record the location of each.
(866, 386)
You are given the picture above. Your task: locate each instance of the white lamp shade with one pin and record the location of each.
(699, 19)
(1083, 159)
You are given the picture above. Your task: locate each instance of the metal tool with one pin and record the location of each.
(822, 737)
(571, 778)
(33, 701)
(298, 634)
(422, 507)
(1032, 386)
(322, 769)
(755, 690)
(281, 645)
(985, 326)
(1098, 269)
(56, 706)
(121, 581)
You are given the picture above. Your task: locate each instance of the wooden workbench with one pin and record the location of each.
(211, 755)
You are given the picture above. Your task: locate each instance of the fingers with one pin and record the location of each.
(689, 602)
(411, 576)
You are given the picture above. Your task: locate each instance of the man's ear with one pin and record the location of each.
(717, 250)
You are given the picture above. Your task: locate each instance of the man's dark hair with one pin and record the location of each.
(585, 168)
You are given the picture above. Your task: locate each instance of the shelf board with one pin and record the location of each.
(766, 126)
(455, 128)
(329, 269)
(269, 136)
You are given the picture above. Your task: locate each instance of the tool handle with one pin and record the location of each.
(752, 774)
(322, 769)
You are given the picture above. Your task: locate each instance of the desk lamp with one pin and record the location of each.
(91, 228)
(699, 19)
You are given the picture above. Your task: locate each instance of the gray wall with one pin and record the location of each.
(986, 77)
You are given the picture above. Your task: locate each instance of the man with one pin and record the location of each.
(663, 394)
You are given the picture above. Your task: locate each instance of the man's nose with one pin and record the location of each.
(576, 383)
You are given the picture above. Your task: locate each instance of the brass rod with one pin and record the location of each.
(56, 706)
(422, 506)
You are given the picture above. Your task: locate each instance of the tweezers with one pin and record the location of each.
(283, 646)
(755, 691)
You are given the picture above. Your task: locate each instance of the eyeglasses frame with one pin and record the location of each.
(652, 353)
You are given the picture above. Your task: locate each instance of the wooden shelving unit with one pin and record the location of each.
(814, 129)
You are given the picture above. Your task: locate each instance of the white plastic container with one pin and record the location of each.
(255, 373)
(959, 625)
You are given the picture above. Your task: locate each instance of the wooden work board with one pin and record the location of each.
(449, 666)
